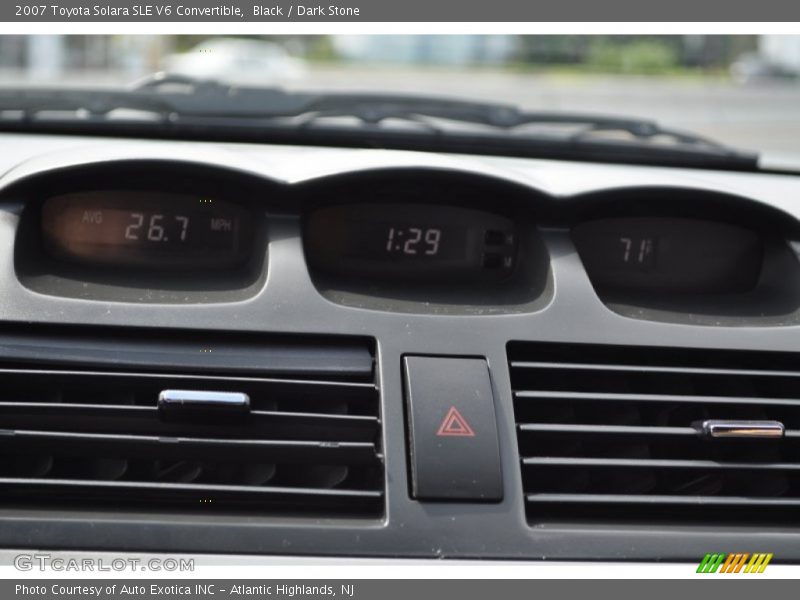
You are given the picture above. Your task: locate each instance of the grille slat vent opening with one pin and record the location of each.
(95, 437)
(614, 434)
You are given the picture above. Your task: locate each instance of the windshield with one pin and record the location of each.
(742, 91)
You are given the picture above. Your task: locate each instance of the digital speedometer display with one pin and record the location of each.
(145, 228)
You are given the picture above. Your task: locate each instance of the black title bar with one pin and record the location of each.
(239, 11)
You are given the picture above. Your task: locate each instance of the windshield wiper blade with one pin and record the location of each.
(176, 100)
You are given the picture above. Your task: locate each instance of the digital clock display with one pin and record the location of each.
(145, 228)
(411, 241)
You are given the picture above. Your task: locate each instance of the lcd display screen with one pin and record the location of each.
(669, 254)
(148, 229)
(411, 241)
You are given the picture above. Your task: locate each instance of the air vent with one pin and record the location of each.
(622, 434)
(303, 435)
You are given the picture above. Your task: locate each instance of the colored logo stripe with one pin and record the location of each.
(758, 563)
(710, 563)
(734, 562)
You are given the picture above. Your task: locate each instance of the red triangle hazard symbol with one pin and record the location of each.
(455, 425)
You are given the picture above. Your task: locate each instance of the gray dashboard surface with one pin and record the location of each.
(289, 303)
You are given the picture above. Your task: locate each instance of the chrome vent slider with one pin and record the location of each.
(174, 401)
(742, 429)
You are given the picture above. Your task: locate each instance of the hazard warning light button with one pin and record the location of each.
(452, 429)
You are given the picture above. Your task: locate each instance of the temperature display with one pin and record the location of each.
(669, 254)
(143, 228)
(638, 252)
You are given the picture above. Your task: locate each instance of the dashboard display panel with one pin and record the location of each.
(669, 255)
(149, 229)
(411, 241)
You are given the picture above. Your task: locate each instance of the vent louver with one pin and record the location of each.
(80, 424)
(616, 433)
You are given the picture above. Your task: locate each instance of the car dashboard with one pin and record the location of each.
(284, 350)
